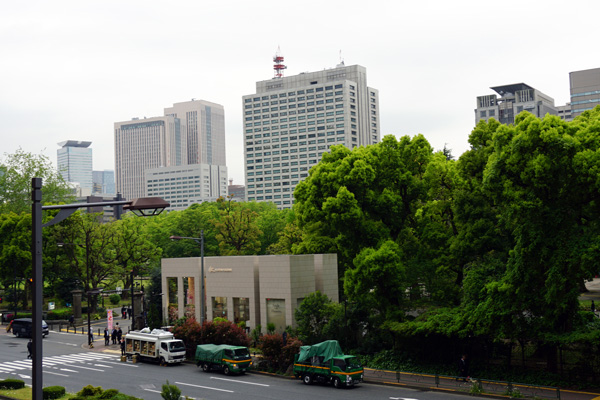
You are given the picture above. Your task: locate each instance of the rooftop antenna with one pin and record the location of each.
(279, 66)
(341, 64)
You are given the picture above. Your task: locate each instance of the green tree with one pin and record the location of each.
(16, 171)
(312, 317)
(237, 230)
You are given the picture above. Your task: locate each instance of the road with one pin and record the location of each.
(69, 363)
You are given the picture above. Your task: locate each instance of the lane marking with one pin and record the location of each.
(205, 387)
(69, 370)
(100, 365)
(247, 383)
(123, 364)
(24, 376)
(54, 373)
(91, 369)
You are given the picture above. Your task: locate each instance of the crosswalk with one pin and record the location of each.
(66, 364)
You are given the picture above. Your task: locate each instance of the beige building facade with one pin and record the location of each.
(253, 289)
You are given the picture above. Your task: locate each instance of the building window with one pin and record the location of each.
(219, 307)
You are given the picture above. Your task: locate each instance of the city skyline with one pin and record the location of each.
(72, 71)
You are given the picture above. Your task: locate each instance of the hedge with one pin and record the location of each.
(53, 392)
(12, 384)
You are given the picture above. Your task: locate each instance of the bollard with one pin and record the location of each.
(437, 380)
(397, 376)
(558, 393)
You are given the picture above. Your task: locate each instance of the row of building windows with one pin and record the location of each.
(585, 94)
(298, 92)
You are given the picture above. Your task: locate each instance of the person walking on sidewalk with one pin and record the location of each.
(123, 346)
(463, 368)
(91, 335)
(113, 336)
(29, 348)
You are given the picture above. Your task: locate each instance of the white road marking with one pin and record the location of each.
(121, 363)
(235, 380)
(205, 387)
(24, 376)
(100, 365)
(54, 373)
(64, 343)
(69, 370)
(91, 369)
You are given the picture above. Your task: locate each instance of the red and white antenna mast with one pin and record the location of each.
(278, 67)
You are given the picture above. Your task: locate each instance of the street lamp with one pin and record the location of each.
(147, 206)
(200, 241)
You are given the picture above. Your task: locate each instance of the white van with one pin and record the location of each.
(157, 345)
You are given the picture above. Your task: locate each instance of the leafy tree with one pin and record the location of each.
(15, 249)
(238, 232)
(312, 317)
(16, 171)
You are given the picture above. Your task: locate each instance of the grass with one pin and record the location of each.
(25, 394)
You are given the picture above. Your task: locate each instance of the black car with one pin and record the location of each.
(21, 327)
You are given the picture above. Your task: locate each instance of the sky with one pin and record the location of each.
(70, 69)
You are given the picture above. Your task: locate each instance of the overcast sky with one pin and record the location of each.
(70, 69)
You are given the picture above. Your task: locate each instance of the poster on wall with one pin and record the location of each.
(276, 313)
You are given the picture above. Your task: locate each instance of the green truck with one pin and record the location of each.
(229, 359)
(326, 363)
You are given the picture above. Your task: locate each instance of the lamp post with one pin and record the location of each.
(200, 241)
(143, 207)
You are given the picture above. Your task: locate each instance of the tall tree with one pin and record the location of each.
(238, 231)
(16, 171)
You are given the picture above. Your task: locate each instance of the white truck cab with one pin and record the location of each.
(157, 345)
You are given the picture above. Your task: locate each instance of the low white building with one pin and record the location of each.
(254, 289)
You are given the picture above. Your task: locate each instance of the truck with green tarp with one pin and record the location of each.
(229, 359)
(326, 363)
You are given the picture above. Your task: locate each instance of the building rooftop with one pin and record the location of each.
(74, 143)
(512, 88)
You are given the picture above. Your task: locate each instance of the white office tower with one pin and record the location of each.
(141, 144)
(291, 121)
(184, 185)
(205, 126)
(74, 161)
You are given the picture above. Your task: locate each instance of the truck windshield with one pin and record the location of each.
(240, 354)
(353, 363)
(176, 346)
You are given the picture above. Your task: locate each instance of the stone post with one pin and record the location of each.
(77, 305)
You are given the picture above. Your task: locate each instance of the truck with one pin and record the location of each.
(229, 359)
(157, 345)
(326, 363)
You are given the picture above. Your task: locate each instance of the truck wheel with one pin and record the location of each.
(205, 367)
(226, 370)
(337, 383)
(307, 379)
(162, 361)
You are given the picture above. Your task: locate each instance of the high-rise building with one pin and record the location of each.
(205, 126)
(513, 99)
(74, 160)
(291, 121)
(184, 185)
(104, 182)
(146, 143)
(585, 90)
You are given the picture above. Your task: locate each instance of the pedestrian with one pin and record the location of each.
(593, 306)
(463, 368)
(106, 337)
(123, 346)
(91, 334)
(123, 312)
(119, 334)
(284, 337)
(9, 327)
(72, 321)
(29, 348)
(129, 312)
(113, 336)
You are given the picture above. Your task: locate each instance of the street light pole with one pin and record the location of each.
(144, 206)
(200, 241)
(132, 316)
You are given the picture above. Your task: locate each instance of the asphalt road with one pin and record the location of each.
(68, 363)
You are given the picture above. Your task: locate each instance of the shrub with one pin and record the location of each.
(114, 299)
(256, 334)
(12, 384)
(170, 392)
(59, 313)
(53, 392)
(278, 355)
(270, 328)
(109, 394)
(89, 391)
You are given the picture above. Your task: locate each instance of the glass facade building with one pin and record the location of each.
(74, 161)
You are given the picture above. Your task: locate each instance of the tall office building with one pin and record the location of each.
(513, 99)
(291, 121)
(205, 126)
(104, 182)
(585, 90)
(74, 160)
(146, 143)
